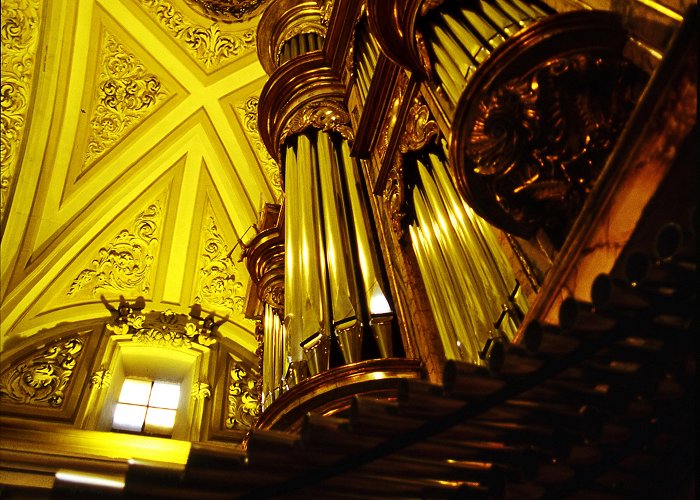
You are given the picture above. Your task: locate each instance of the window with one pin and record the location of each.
(146, 406)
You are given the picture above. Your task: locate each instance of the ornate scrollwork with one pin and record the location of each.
(19, 33)
(210, 46)
(243, 404)
(43, 379)
(125, 263)
(419, 130)
(539, 142)
(227, 10)
(217, 284)
(397, 97)
(126, 93)
(200, 391)
(249, 113)
(324, 115)
(101, 378)
(164, 329)
(326, 8)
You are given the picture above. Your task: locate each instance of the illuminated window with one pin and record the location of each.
(146, 406)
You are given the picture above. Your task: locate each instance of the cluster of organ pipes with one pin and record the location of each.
(461, 37)
(298, 45)
(274, 358)
(332, 272)
(466, 274)
(366, 58)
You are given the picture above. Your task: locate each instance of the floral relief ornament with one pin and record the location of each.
(211, 47)
(249, 114)
(243, 402)
(42, 380)
(124, 265)
(19, 32)
(218, 285)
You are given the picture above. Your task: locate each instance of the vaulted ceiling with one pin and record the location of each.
(131, 162)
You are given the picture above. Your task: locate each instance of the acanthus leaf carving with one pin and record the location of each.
(243, 407)
(249, 113)
(228, 10)
(395, 196)
(217, 283)
(419, 128)
(43, 379)
(126, 93)
(324, 115)
(20, 35)
(200, 391)
(210, 46)
(124, 265)
(101, 378)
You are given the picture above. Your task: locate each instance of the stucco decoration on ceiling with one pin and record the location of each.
(126, 93)
(20, 34)
(164, 329)
(218, 284)
(243, 407)
(124, 264)
(248, 112)
(42, 378)
(210, 46)
(228, 10)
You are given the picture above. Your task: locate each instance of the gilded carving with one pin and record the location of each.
(397, 97)
(42, 380)
(200, 391)
(419, 128)
(101, 378)
(217, 283)
(126, 93)
(210, 46)
(243, 404)
(326, 8)
(325, 115)
(19, 33)
(227, 10)
(124, 265)
(164, 329)
(536, 153)
(249, 114)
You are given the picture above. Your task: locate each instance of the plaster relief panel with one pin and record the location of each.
(209, 45)
(20, 35)
(126, 93)
(124, 264)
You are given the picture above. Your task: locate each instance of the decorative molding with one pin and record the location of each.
(101, 379)
(124, 265)
(210, 47)
(396, 99)
(126, 93)
(20, 35)
(42, 379)
(227, 10)
(243, 404)
(326, 8)
(217, 283)
(200, 391)
(249, 114)
(163, 329)
(419, 130)
(324, 115)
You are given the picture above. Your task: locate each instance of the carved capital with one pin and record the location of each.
(325, 115)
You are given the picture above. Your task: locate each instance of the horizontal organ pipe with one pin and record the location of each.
(460, 38)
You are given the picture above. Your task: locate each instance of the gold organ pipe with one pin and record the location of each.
(510, 14)
(471, 281)
(459, 320)
(466, 38)
(303, 46)
(294, 44)
(434, 296)
(367, 254)
(361, 76)
(366, 69)
(314, 307)
(451, 88)
(268, 368)
(341, 283)
(286, 53)
(515, 12)
(485, 31)
(498, 19)
(292, 237)
(460, 59)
